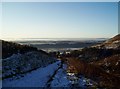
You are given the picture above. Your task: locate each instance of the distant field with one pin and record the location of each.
(60, 44)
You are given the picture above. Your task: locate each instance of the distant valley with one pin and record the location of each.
(50, 45)
(85, 64)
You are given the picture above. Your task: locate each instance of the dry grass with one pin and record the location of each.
(94, 72)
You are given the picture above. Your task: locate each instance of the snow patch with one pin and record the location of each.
(60, 79)
(37, 78)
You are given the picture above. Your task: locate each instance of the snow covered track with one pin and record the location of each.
(37, 78)
(60, 78)
(52, 76)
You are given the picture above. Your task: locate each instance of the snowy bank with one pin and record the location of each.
(22, 63)
(36, 78)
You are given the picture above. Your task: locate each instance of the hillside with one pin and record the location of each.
(107, 58)
(114, 39)
(97, 52)
(9, 48)
(20, 59)
(112, 43)
(101, 63)
(110, 64)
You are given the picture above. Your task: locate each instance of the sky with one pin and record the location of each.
(59, 19)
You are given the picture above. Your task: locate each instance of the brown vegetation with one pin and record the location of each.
(115, 38)
(110, 64)
(99, 63)
(10, 48)
(94, 72)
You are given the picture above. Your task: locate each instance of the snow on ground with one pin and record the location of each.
(36, 78)
(51, 76)
(22, 63)
(60, 79)
(70, 80)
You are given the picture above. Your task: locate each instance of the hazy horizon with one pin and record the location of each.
(54, 39)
